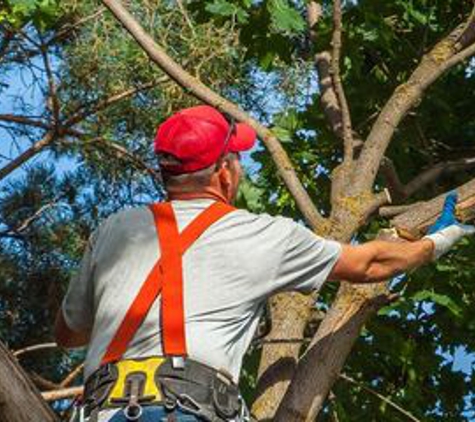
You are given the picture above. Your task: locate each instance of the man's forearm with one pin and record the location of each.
(393, 258)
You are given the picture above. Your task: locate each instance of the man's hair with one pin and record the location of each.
(188, 181)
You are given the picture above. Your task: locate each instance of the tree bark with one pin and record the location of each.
(20, 401)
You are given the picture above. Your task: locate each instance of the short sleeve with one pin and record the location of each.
(78, 304)
(307, 260)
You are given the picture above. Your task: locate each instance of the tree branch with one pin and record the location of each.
(47, 140)
(52, 99)
(63, 129)
(61, 394)
(84, 111)
(19, 397)
(347, 130)
(205, 94)
(453, 49)
(400, 192)
(34, 348)
(72, 376)
(413, 223)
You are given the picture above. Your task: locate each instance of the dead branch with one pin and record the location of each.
(158, 55)
(28, 221)
(61, 394)
(66, 382)
(34, 348)
(450, 51)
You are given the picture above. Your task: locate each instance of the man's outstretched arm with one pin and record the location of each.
(381, 260)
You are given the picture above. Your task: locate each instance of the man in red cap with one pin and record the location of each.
(168, 297)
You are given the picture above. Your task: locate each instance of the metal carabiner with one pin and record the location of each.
(133, 412)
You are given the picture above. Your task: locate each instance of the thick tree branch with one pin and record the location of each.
(19, 397)
(453, 49)
(413, 223)
(205, 94)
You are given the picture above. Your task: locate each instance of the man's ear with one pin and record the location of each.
(224, 173)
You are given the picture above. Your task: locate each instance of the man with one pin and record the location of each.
(187, 280)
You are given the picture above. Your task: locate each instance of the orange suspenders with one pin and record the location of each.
(166, 277)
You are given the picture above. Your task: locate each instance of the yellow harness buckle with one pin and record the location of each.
(141, 371)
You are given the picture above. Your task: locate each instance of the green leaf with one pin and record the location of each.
(226, 9)
(439, 299)
(284, 18)
(284, 135)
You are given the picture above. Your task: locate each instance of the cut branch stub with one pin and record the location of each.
(413, 223)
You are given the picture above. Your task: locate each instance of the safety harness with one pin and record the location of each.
(174, 381)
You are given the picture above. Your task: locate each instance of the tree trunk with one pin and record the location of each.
(20, 401)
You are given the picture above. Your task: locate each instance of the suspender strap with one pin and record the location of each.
(152, 286)
(172, 308)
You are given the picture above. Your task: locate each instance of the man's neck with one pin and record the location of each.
(186, 196)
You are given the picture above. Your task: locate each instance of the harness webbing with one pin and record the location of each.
(166, 277)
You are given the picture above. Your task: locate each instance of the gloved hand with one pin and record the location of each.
(447, 231)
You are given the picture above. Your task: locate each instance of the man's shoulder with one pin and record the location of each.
(262, 219)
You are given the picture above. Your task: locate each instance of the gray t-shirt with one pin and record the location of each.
(228, 274)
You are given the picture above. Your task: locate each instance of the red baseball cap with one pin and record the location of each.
(198, 136)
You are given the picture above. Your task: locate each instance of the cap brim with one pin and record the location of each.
(244, 138)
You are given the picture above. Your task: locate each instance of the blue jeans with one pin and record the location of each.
(154, 414)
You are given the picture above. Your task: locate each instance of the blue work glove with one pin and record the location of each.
(447, 231)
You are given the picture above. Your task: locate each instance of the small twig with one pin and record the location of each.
(28, 221)
(66, 382)
(388, 401)
(63, 393)
(183, 11)
(34, 348)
